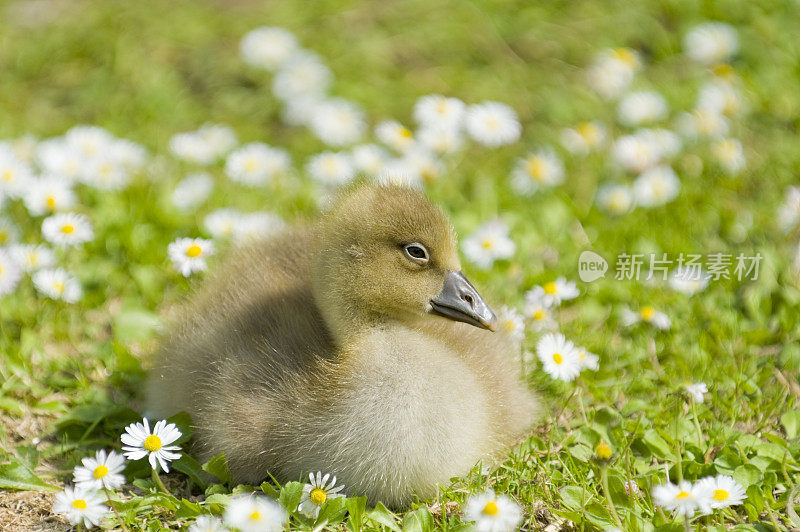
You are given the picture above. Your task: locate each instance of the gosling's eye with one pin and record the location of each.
(417, 253)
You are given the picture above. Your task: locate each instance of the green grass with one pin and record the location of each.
(72, 375)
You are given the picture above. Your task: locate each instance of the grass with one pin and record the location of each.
(72, 374)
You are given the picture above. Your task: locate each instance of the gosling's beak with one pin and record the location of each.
(459, 301)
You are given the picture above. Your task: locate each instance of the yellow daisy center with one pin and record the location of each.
(682, 495)
(536, 168)
(318, 496)
(626, 56)
(3, 236)
(67, 229)
(490, 508)
(723, 70)
(721, 495)
(509, 326)
(152, 443)
(250, 165)
(647, 313)
(59, 287)
(588, 132)
(51, 202)
(603, 450)
(487, 244)
(550, 288)
(618, 202)
(405, 133)
(193, 251)
(538, 315)
(8, 175)
(255, 516)
(582, 355)
(100, 471)
(557, 358)
(441, 107)
(79, 504)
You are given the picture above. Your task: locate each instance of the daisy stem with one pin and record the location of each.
(686, 523)
(580, 402)
(114, 509)
(607, 493)
(157, 480)
(696, 422)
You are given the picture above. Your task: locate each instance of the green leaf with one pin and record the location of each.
(382, 516)
(791, 423)
(747, 475)
(333, 511)
(135, 325)
(17, 476)
(290, 496)
(574, 497)
(188, 465)
(356, 506)
(420, 520)
(218, 466)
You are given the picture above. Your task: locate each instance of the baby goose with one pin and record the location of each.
(327, 348)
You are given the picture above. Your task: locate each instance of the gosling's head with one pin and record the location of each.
(387, 254)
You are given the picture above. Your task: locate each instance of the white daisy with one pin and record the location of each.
(440, 140)
(67, 229)
(81, 506)
(558, 356)
(511, 322)
(587, 359)
(635, 153)
(612, 71)
(647, 314)
(105, 172)
(253, 513)
(8, 231)
(490, 242)
(720, 98)
(138, 442)
(684, 498)
(128, 154)
(583, 138)
(725, 491)
(304, 74)
(102, 471)
(89, 141)
(423, 164)
(696, 391)
(15, 175)
(538, 312)
(788, 212)
(492, 124)
(10, 273)
(267, 47)
(257, 225)
(712, 42)
(189, 255)
(58, 284)
(316, 492)
(656, 186)
(641, 107)
(331, 168)
(688, 280)
(729, 155)
(23, 148)
(615, 199)
(540, 169)
(492, 512)
(32, 257)
(207, 523)
(192, 190)
(439, 112)
(554, 292)
(256, 164)
(337, 123)
(56, 157)
(703, 123)
(664, 142)
(399, 172)
(222, 223)
(395, 135)
(368, 158)
(204, 146)
(48, 195)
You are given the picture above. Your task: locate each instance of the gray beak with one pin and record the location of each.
(459, 301)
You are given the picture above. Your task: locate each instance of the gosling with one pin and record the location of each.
(354, 346)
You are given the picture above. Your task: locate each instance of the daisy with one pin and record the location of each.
(634, 153)
(267, 47)
(511, 323)
(204, 146)
(89, 141)
(683, 498)
(253, 513)
(603, 451)
(222, 223)
(105, 172)
(539, 169)
(423, 164)
(102, 471)
(725, 491)
(703, 123)
(337, 123)
(67, 229)
(256, 164)
(656, 186)
(712, 42)
(647, 314)
(188, 255)
(192, 190)
(612, 71)
(642, 107)
(58, 284)
(130, 155)
(538, 312)
(696, 391)
(492, 512)
(8, 231)
(48, 195)
(368, 158)
(23, 148)
(81, 505)
(583, 138)
(331, 168)
(316, 492)
(304, 74)
(440, 140)
(728, 153)
(558, 356)
(32, 257)
(719, 97)
(490, 242)
(256, 225)
(207, 523)
(554, 292)
(398, 172)
(788, 212)
(298, 109)
(395, 135)
(664, 142)
(688, 280)
(10, 273)
(139, 442)
(15, 175)
(588, 360)
(440, 112)
(615, 199)
(56, 157)
(492, 124)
